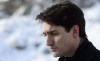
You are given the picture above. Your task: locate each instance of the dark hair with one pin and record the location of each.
(64, 14)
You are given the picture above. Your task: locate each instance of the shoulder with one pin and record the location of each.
(97, 56)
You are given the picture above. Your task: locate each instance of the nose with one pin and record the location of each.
(49, 41)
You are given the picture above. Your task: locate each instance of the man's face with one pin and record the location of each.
(60, 42)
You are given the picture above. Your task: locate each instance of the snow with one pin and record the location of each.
(21, 39)
(93, 24)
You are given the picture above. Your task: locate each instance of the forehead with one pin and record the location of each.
(47, 27)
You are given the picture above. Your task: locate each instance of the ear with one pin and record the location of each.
(75, 31)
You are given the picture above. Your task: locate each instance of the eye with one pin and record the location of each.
(54, 33)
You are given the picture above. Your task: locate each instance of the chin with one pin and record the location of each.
(55, 54)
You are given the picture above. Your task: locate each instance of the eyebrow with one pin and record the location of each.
(50, 32)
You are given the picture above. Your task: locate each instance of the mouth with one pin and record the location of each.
(53, 49)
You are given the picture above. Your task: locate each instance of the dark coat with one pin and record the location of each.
(85, 52)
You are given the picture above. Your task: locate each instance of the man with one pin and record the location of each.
(64, 29)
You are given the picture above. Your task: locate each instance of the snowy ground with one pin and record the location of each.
(21, 40)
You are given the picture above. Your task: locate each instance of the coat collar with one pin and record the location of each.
(83, 53)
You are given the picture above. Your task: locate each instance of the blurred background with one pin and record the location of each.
(21, 36)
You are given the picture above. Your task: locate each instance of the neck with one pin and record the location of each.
(76, 44)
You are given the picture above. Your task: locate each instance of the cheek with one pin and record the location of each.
(60, 41)
(63, 41)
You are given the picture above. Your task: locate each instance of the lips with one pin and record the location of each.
(53, 49)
